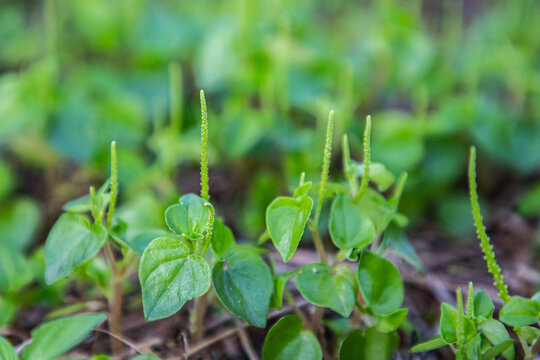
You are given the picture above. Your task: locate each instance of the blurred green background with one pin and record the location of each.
(436, 76)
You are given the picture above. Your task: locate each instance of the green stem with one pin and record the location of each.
(326, 165)
(367, 160)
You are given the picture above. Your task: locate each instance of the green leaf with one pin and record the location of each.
(146, 357)
(380, 283)
(302, 190)
(332, 288)
(496, 333)
(435, 342)
(286, 219)
(448, 325)
(243, 284)
(143, 238)
(222, 240)
(7, 310)
(369, 345)
(498, 349)
(392, 321)
(520, 311)
(280, 282)
(6, 350)
(349, 226)
(483, 306)
(530, 333)
(189, 217)
(19, 222)
(287, 340)
(15, 270)
(170, 276)
(71, 242)
(54, 338)
(471, 349)
(377, 173)
(396, 241)
(82, 204)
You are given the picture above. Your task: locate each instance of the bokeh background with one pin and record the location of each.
(436, 76)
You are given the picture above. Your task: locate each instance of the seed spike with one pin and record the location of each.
(487, 248)
(367, 160)
(470, 301)
(114, 184)
(326, 165)
(204, 149)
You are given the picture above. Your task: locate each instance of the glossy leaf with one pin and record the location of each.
(302, 190)
(143, 238)
(71, 242)
(54, 338)
(6, 350)
(496, 333)
(482, 305)
(170, 276)
(349, 226)
(448, 325)
(434, 343)
(396, 241)
(520, 311)
(189, 217)
(286, 219)
(380, 283)
(243, 284)
(392, 321)
(332, 288)
(288, 340)
(369, 345)
(222, 241)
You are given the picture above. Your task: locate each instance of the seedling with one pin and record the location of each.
(477, 334)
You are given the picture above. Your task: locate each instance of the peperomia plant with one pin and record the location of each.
(476, 334)
(370, 287)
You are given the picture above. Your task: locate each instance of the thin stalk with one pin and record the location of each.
(367, 160)
(290, 300)
(470, 301)
(115, 303)
(460, 328)
(525, 346)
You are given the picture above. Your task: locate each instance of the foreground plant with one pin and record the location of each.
(372, 290)
(477, 334)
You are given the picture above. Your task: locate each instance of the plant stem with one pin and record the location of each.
(367, 160)
(318, 242)
(526, 350)
(115, 301)
(197, 327)
(292, 304)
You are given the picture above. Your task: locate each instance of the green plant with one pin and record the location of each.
(476, 334)
(359, 217)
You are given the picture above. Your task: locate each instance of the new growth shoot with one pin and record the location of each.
(204, 149)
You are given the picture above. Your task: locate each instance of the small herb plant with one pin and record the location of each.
(473, 332)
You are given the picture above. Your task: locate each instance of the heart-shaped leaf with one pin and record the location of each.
(392, 321)
(189, 217)
(170, 276)
(222, 241)
(332, 288)
(235, 280)
(288, 340)
(482, 305)
(286, 219)
(350, 227)
(496, 333)
(54, 338)
(380, 283)
(71, 242)
(6, 350)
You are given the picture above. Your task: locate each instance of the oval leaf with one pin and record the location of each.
(170, 276)
(235, 280)
(496, 334)
(349, 226)
(287, 340)
(71, 242)
(380, 283)
(392, 321)
(323, 286)
(54, 338)
(286, 219)
(520, 311)
(222, 240)
(189, 217)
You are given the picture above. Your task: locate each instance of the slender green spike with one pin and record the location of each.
(209, 227)
(326, 165)
(204, 149)
(94, 209)
(487, 248)
(470, 301)
(367, 160)
(114, 184)
(460, 326)
(349, 174)
(398, 190)
(302, 178)
(175, 76)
